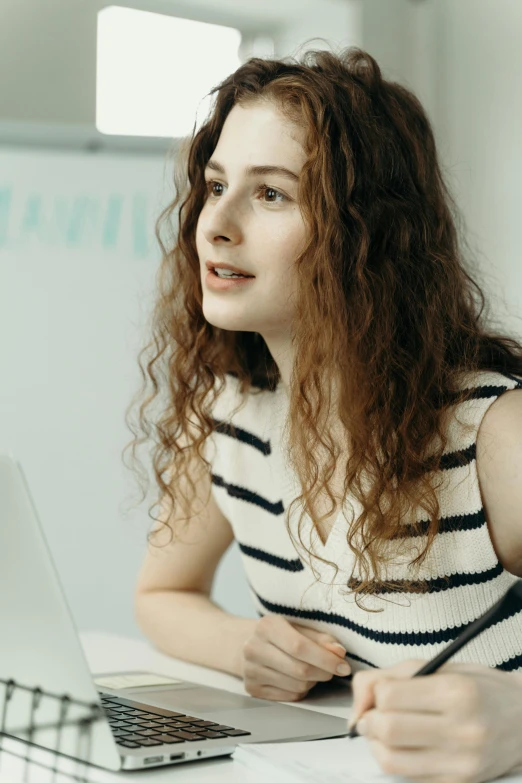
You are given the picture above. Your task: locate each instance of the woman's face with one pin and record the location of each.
(258, 230)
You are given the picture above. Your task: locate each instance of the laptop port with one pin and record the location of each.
(176, 756)
(152, 759)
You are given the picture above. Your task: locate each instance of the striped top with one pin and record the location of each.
(253, 486)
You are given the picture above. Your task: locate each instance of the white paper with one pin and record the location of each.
(340, 760)
(138, 680)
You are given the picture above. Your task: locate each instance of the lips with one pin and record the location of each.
(211, 266)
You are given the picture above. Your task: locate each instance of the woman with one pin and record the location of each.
(344, 374)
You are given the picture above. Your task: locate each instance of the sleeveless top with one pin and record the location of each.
(253, 486)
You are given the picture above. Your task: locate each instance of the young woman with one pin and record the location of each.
(333, 400)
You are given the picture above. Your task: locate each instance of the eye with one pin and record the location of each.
(210, 186)
(260, 189)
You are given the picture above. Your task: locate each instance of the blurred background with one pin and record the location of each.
(92, 99)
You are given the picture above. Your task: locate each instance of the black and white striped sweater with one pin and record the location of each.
(253, 486)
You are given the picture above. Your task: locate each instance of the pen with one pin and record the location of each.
(508, 600)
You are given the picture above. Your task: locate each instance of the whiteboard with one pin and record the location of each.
(78, 259)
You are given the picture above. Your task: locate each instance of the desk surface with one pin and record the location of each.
(109, 653)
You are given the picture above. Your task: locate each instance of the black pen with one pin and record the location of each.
(512, 596)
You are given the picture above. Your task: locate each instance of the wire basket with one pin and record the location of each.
(31, 718)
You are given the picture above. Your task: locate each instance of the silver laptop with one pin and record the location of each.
(48, 698)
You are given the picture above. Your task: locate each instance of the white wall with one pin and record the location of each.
(464, 61)
(481, 117)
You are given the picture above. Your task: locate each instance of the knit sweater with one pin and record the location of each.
(253, 486)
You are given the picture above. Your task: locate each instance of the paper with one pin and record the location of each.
(341, 760)
(138, 680)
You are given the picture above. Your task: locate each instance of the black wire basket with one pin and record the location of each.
(32, 718)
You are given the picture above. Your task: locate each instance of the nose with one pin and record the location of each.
(221, 223)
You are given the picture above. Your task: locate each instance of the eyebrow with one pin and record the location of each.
(256, 170)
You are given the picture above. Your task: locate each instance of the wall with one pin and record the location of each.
(481, 117)
(463, 59)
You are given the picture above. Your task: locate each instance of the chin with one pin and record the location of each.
(229, 323)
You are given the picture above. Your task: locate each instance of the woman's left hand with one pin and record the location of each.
(461, 724)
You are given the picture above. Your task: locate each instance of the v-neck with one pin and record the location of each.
(291, 489)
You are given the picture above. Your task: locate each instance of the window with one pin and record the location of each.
(153, 71)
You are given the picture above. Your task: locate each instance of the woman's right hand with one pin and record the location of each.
(282, 661)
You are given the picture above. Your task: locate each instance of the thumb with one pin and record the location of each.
(324, 639)
(364, 682)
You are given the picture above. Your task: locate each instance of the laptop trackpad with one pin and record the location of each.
(199, 699)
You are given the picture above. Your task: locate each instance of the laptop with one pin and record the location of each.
(49, 698)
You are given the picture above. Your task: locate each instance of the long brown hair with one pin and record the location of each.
(382, 273)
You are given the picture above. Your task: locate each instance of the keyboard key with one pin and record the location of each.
(212, 734)
(149, 741)
(127, 743)
(174, 725)
(168, 739)
(185, 735)
(205, 723)
(131, 737)
(185, 718)
(194, 729)
(146, 732)
(220, 727)
(237, 733)
(138, 737)
(149, 724)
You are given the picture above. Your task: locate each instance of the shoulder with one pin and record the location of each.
(499, 469)
(501, 427)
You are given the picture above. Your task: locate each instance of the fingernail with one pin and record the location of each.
(339, 647)
(343, 668)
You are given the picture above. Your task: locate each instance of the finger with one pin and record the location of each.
(267, 676)
(406, 730)
(297, 645)
(364, 682)
(434, 693)
(276, 694)
(337, 649)
(322, 638)
(274, 658)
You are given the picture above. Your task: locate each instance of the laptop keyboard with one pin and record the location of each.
(137, 725)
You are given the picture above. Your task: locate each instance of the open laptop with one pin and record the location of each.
(70, 715)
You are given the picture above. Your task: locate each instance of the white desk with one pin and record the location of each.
(108, 653)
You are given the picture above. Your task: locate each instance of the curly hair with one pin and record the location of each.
(382, 273)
